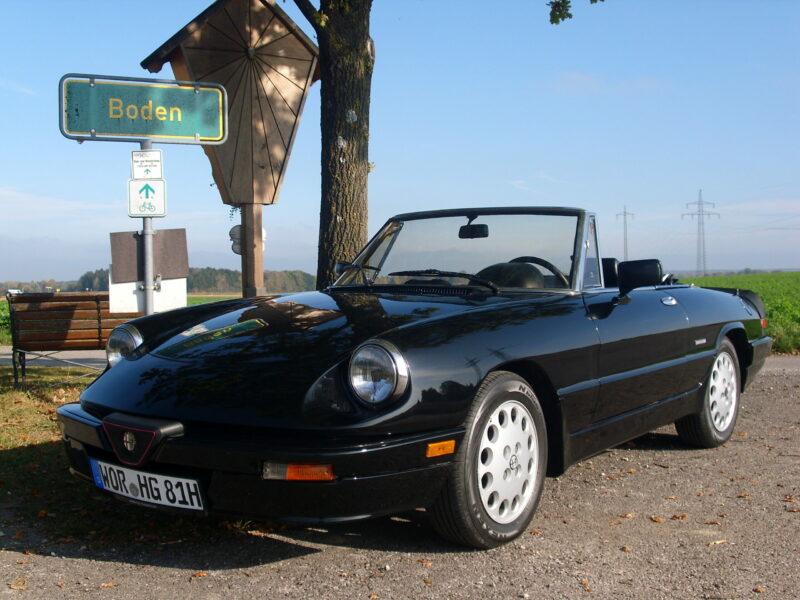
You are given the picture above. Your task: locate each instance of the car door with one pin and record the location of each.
(640, 359)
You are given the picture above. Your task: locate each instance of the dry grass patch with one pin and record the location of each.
(48, 503)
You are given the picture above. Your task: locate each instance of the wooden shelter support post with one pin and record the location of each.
(252, 246)
(267, 65)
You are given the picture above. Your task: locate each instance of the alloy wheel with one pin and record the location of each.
(722, 392)
(507, 463)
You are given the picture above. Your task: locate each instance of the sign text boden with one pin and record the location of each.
(95, 107)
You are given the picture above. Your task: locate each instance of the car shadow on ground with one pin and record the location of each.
(207, 548)
(407, 532)
(47, 511)
(50, 512)
(661, 440)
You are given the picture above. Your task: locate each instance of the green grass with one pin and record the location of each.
(193, 300)
(781, 295)
(5, 324)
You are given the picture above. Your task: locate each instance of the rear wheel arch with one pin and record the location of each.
(713, 425)
(744, 353)
(535, 376)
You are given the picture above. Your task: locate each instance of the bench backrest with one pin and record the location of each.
(62, 320)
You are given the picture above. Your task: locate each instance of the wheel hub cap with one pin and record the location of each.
(508, 460)
(723, 392)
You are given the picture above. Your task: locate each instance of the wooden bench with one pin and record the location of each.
(54, 322)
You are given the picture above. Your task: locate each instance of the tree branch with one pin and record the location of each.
(310, 13)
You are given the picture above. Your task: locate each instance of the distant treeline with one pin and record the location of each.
(209, 279)
(200, 281)
(695, 274)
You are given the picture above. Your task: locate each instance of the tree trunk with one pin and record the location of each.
(346, 61)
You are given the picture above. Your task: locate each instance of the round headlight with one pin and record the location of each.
(378, 372)
(122, 341)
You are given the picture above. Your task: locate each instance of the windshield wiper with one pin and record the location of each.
(438, 273)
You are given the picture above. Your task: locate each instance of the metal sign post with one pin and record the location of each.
(147, 198)
(147, 242)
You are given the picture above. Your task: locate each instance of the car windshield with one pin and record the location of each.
(489, 251)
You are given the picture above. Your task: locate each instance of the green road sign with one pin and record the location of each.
(100, 107)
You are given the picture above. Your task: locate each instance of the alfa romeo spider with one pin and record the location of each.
(460, 358)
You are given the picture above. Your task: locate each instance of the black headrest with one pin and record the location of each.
(513, 275)
(610, 269)
(639, 273)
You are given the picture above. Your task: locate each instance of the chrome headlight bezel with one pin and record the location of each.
(373, 362)
(122, 341)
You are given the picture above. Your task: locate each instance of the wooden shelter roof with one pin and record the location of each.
(155, 61)
(266, 63)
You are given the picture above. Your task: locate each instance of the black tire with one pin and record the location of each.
(714, 424)
(506, 439)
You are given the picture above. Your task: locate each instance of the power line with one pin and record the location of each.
(701, 215)
(625, 214)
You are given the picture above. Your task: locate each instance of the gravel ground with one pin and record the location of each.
(651, 519)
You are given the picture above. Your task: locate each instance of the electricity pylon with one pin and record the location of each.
(625, 214)
(701, 215)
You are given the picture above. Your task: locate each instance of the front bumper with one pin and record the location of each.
(373, 477)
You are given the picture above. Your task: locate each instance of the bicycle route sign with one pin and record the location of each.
(147, 198)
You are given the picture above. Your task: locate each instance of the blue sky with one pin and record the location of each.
(632, 103)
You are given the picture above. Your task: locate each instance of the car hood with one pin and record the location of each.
(253, 363)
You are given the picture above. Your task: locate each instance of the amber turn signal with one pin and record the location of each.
(298, 472)
(304, 472)
(440, 448)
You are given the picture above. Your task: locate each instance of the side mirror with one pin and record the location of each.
(633, 274)
(341, 266)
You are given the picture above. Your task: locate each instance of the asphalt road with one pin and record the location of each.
(651, 520)
(95, 359)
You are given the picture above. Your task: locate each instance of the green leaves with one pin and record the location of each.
(560, 10)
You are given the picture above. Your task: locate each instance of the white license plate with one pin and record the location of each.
(147, 487)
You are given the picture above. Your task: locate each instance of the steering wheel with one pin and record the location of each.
(543, 263)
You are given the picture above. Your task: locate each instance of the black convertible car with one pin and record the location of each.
(459, 358)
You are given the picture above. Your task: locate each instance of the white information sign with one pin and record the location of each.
(129, 297)
(146, 164)
(147, 198)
